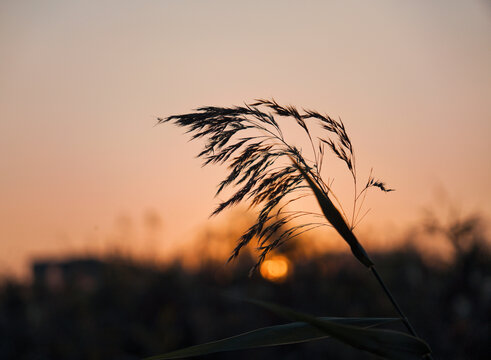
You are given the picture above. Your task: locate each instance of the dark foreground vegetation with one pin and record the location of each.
(121, 309)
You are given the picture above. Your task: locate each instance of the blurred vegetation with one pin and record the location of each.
(119, 308)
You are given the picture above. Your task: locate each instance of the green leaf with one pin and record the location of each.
(386, 343)
(292, 333)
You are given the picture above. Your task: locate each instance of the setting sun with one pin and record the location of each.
(276, 269)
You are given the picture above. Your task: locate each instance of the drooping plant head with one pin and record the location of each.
(250, 140)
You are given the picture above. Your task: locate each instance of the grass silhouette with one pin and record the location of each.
(271, 174)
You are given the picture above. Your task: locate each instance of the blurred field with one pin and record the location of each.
(118, 308)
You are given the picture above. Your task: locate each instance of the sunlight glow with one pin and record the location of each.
(276, 269)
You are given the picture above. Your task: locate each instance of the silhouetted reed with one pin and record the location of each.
(271, 174)
(254, 167)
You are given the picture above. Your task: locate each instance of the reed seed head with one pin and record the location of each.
(249, 139)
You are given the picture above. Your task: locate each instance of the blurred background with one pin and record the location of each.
(121, 307)
(106, 249)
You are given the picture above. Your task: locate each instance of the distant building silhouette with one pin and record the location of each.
(83, 274)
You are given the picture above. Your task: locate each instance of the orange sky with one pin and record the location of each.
(81, 83)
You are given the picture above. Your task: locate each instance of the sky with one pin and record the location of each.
(84, 168)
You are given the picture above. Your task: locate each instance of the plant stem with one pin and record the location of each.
(404, 319)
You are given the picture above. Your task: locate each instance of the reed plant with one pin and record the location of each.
(269, 173)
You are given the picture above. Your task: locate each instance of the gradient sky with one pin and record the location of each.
(82, 166)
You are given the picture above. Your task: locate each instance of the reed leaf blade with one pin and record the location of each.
(386, 343)
(292, 333)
